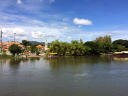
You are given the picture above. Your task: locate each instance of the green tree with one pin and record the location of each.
(104, 39)
(121, 42)
(26, 43)
(119, 48)
(55, 47)
(105, 44)
(15, 49)
(93, 48)
(59, 47)
(77, 48)
(33, 49)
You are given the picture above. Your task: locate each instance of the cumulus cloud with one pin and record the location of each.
(37, 35)
(52, 33)
(78, 21)
(8, 33)
(17, 30)
(47, 33)
(19, 1)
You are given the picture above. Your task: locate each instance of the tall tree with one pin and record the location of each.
(105, 43)
(93, 48)
(15, 49)
(77, 48)
(121, 42)
(26, 43)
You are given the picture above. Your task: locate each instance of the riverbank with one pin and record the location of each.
(116, 54)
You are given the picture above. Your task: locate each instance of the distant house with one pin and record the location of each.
(5, 46)
(40, 48)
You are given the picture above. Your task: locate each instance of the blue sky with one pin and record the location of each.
(65, 20)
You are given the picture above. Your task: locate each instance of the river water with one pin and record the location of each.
(64, 76)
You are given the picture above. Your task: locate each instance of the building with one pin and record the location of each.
(5, 46)
(40, 48)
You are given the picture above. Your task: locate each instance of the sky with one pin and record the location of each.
(65, 20)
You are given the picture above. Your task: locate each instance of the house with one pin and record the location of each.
(5, 46)
(40, 48)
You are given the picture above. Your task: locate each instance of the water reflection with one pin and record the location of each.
(33, 60)
(80, 60)
(70, 76)
(120, 59)
(77, 62)
(15, 62)
(14, 65)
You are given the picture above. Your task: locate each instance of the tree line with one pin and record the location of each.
(103, 44)
(100, 45)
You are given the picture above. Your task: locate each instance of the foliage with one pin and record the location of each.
(104, 39)
(37, 53)
(120, 45)
(33, 49)
(75, 48)
(118, 48)
(59, 47)
(93, 48)
(79, 48)
(15, 49)
(121, 42)
(26, 43)
(105, 44)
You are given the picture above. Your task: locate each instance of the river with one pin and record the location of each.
(64, 76)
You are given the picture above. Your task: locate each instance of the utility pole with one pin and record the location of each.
(1, 33)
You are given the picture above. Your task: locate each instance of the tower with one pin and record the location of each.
(46, 45)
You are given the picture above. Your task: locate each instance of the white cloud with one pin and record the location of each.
(78, 21)
(8, 33)
(17, 30)
(52, 33)
(19, 1)
(37, 35)
(51, 1)
(43, 33)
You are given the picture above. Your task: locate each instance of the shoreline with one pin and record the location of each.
(39, 56)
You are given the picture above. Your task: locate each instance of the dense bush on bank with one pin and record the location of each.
(80, 48)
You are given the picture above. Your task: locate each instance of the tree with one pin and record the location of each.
(59, 47)
(77, 48)
(121, 42)
(93, 48)
(33, 49)
(26, 43)
(15, 49)
(104, 39)
(105, 44)
(118, 48)
(55, 47)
